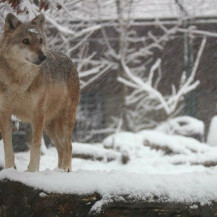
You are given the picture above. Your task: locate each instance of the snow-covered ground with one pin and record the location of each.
(177, 175)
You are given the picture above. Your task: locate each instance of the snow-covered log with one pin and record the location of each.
(172, 149)
(185, 126)
(20, 199)
(97, 152)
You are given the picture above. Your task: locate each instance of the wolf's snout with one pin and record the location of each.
(42, 57)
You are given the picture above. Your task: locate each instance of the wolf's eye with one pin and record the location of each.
(41, 40)
(26, 41)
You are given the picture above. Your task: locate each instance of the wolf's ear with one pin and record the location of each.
(11, 23)
(39, 21)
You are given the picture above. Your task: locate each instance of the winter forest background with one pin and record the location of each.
(141, 63)
(148, 75)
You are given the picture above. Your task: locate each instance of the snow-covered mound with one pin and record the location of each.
(95, 152)
(176, 144)
(182, 175)
(184, 125)
(132, 143)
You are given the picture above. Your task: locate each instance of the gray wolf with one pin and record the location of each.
(37, 86)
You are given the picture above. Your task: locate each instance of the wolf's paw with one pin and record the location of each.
(68, 170)
(65, 169)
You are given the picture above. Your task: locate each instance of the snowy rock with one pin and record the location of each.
(184, 126)
(212, 134)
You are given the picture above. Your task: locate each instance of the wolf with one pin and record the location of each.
(38, 86)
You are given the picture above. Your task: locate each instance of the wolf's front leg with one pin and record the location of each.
(35, 151)
(6, 130)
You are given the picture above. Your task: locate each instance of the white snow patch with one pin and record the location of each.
(184, 125)
(178, 144)
(212, 134)
(43, 146)
(96, 150)
(16, 122)
(42, 194)
(125, 142)
(132, 143)
(194, 206)
(33, 30)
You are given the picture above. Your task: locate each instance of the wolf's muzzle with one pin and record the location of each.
(41, 58)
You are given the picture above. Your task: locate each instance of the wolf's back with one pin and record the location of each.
(58, 67)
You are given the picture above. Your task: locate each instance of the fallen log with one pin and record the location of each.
(17, 199)
(195, 163)
(97, 152)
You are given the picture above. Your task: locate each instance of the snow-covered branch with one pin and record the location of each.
(198, 32)
(146, 90)
(190, 84)
(68, 31)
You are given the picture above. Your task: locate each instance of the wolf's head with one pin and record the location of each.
(24, 42)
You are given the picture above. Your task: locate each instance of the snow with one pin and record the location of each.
(43, 147)
(181, 188)
(194, 206)
(129, 142)
(123, 141)
(96, 151)
(16, 122)
(150, 173)
(212, 135)
(184, 125)
(33, 30)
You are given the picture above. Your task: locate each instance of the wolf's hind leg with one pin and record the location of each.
(65, 137)
(51, 133)
(60, 155)
(6, 130)
(67, 156)
(63, 145)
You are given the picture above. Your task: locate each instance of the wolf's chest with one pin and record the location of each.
(18, 103)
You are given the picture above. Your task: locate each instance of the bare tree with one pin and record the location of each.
(133, 56)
